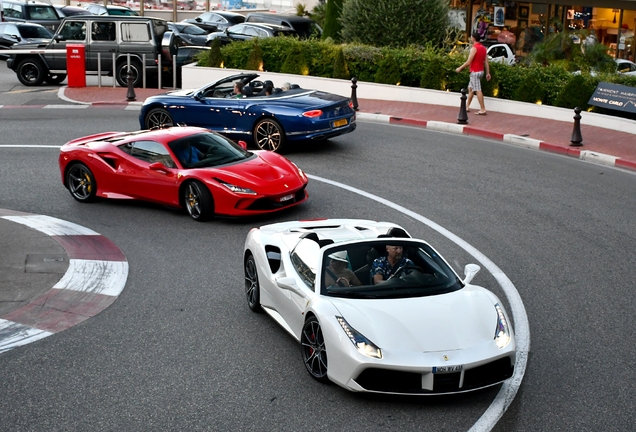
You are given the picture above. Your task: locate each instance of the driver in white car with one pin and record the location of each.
(383, 268)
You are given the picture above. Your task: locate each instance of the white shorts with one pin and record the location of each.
(475, 81)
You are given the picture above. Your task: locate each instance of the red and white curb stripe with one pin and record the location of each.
(517, 140)
(95, 277)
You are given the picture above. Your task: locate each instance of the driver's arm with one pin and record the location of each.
(378, 278)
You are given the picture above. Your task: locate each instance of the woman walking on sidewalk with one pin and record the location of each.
(478, 62)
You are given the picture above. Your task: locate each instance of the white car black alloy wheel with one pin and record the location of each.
(252, 289)
(312, 347)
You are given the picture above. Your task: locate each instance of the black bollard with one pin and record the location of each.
(577, 139)
(354, 93)
(130, 96)
(462, 117)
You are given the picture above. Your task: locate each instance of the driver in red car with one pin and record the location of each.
(188, 154)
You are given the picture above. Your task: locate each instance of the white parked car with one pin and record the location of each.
(424, 330)
(501, 53)
(626, 67)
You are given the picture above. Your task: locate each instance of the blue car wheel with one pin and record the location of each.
(269, 135)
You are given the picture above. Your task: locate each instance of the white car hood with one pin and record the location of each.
(453, 321)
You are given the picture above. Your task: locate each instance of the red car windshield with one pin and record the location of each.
(206, 150)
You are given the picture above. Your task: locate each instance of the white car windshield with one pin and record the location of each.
(386, 268)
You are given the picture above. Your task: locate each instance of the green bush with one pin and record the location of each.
(577, 92)
(295, 63)
(429, 67)
(213, 57)
(388, 70)
(333, 26)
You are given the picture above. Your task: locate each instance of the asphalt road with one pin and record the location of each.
(180, 350)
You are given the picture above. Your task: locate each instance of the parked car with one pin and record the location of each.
(188, 34)
(216, 21)
(106, 35)
(183, 167)
(269, 122)
(247, 31)
(20, 34)
(501, 53)
(626, 67)
(423, 330)
(100, 9)
(31, 11)
(304, 27)
(67, 11)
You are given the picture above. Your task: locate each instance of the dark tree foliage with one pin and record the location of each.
(215, 56)
(394, 23)
(295, 63)
(255, 60)
(333, 27)
(340, 69)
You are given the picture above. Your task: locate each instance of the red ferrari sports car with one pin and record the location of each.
(186, 167)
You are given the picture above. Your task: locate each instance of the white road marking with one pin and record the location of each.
(30, 146)
(509, 389)
(13, 335)
(95, 276)
(51, 226)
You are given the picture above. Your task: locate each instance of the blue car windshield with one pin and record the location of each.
(207, 150)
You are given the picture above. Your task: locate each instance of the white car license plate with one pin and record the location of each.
(286, 198)
(338, 123)
(448, 369)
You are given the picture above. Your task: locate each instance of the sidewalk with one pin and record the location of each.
(609, 147)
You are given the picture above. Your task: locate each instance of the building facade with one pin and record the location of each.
(521, 24)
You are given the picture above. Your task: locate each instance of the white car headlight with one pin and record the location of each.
(502, 332)
(237, 189)
(364, 345)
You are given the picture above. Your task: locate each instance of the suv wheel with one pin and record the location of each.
(55, 79)
(122, 73)
(31, 72)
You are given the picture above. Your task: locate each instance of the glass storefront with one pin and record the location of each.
(522, 24)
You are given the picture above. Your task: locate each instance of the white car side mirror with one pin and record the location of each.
(470, 271)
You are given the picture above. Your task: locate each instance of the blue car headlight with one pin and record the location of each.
(502, 332)
(237, 189)
(364, 345)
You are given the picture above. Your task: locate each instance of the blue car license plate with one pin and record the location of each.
(339, 123)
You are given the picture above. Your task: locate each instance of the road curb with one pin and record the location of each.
(521, 141)
(95, 277)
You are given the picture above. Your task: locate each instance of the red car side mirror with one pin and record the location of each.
(243, 145)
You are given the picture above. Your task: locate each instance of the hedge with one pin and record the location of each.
(425, 67)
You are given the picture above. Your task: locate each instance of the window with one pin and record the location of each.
(250, 31)
(12, 10)
(74, 30)
(149, 151)
(42, 12)
(103, 31)
(135, 32)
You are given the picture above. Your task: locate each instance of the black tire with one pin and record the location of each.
(269, 135)
(81, 183)
(252, 287)
(158, 118)
(313, 350)
(55, 79)
(197, 200)
(31, 72)
(121, 73)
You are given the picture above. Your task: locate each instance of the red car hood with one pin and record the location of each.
(266, 173)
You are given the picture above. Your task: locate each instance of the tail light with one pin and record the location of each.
(351, 104)
(312, 113)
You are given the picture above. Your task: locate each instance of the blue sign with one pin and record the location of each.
(614, 96)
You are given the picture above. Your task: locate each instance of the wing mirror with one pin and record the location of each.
(470, 271)
(289, 283)
(158, 166)
(243, 145)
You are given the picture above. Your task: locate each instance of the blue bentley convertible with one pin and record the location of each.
(267, 121)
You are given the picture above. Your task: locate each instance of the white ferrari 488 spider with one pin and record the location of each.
(377, 311)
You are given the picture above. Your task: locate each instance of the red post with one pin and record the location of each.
(76, 65)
